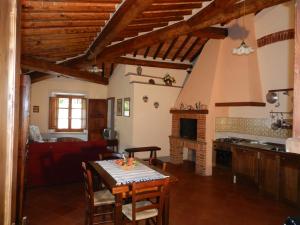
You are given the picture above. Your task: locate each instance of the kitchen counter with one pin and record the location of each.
(263, 146)
(274, 171)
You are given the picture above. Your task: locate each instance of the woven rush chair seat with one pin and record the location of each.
(103, 197)
(127, 211)
(96, 202)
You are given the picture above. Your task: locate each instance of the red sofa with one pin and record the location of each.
(60, 162)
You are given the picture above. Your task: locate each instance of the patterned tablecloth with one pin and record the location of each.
(138, 173)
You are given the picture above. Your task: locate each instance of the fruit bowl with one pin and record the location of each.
(126, 164)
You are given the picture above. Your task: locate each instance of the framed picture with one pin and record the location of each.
(126, 107)
(119, 107)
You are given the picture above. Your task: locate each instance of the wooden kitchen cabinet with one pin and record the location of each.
(290, 179)
(245, 163)
(269, 173)
(275, 173)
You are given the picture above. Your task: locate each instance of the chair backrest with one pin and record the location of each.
(154, 190)
(109, 155)
(88, 185)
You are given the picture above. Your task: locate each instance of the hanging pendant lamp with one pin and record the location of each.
(243, 49)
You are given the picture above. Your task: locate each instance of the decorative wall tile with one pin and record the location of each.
(252, 126)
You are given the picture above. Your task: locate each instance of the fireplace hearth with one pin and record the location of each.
(193, 137)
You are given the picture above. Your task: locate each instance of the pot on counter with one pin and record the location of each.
(272, 97)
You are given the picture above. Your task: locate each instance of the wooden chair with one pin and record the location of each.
(96, 202)
(141, 207)
(110, 155)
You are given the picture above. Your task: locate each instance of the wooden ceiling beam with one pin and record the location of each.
(63, 47)
(127, 12)
(198, 52)
(158, 50)
(57, 48)
(55, 69)
(140, 28)
(170, 48)
(64, 23)
(174, 6)
(186, 40)
(146, 52)
(37, 76)
(40, 6)
(197, 22)
(161, 35)
(61, 30)
(217, 16)
(55, 16)
(61, 37)
(154, 14)
(180, 1)
(41, 42)
(133, 61)
(156, 19)
(81, 1)
(211, 32)
(224, 3)
(190, 49)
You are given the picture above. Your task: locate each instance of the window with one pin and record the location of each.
(67, 113)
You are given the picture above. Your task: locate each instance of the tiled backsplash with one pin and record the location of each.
(252, 126)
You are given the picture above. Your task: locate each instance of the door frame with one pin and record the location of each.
(112, 114)
(9, 96)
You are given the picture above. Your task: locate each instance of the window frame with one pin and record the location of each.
(69, 129)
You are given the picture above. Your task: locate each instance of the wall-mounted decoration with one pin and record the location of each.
(198, 105)
(189, 70)
(119, 107)
(139, 70)
(156, 105)
(151, 81)
(182, 107)
(145, 98)
(35, 109)
(126, 107)
(169, 80)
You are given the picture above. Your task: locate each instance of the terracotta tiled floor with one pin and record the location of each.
(195, 200)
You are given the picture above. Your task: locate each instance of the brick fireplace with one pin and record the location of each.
(198, 145)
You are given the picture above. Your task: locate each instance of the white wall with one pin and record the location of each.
(41, 91)
(275, 61)
(119, 88)
(146, 125)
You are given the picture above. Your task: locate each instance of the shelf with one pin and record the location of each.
(141, 82)
(176, 111)
(282, 90)
(282, 112)
(134, 74)
(237, 104)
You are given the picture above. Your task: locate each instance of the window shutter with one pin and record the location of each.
(84, 109)
(53, 112)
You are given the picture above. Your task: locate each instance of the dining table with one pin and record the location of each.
(119, 181)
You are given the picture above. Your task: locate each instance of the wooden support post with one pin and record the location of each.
(296, 125)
